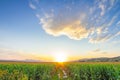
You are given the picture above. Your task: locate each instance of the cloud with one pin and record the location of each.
(118, 23)
(97, 22)
(105, 32)
(73, 29)
(104, 52)
(9, 54)
(102, 7)
(99, 39)
(97, 51)
(32, 6)
(116, 42)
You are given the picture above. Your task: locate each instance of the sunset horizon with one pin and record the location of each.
(59, 39)
(59, 30)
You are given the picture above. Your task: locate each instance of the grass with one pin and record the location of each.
(58, 71)
(95, 71)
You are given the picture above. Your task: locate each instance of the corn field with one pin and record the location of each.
(58, 71)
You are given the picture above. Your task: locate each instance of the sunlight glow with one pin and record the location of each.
(60, 57)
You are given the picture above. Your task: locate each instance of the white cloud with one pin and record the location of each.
(116, 42)
(72, 29)
(112, 3)
(32, 6)
(118, 33)
(98, 51)
(118, 23)
(101, 38)
(102, 7)
(10, 54)
(93, 22)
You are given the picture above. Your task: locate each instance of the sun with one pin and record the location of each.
(60, 57)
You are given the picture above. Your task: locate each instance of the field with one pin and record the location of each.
(59, 71)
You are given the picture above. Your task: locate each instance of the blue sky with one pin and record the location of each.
(38, 29)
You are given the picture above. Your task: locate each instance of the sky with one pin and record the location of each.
(40, 29)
